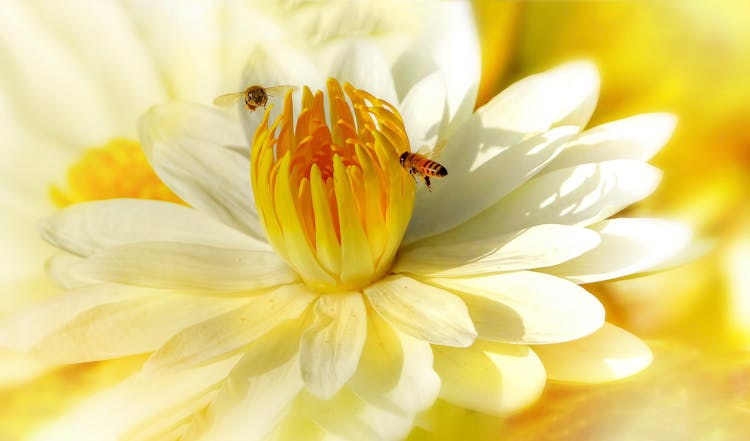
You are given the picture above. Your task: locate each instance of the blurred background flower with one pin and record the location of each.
(689, 58)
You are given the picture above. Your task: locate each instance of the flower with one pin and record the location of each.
(298, 318)
(79, 77)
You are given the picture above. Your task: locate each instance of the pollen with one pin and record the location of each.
(329, 189)
(119, 169)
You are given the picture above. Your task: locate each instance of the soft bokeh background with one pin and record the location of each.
(688, 57)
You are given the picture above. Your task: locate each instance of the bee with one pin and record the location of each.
(420, 165)
(254, 96)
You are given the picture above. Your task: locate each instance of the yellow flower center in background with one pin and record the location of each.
(334, 199)
(117, 170)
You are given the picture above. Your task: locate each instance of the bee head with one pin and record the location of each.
(402, 158)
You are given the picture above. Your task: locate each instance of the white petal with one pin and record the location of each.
(59, 102)
(331, 346)
(91, 226)
(608, 354)
(638, 137)
(484, 164)
(628, 246)
(296, 427)
(257, 393)
(20, 332)
(395, 371)
(16, 368)
(129, 92)
(428, 313)
(21, 255)
(493, 378)
(362, 64)
(130, 409)
(565, 95)
(127, 327)
(175, 265)
(534, 247)
(449, 45)
(58, 270)
(349, 416)
(186, 43)
(23, 191)
(580, 195)
(187, 146)
(527, 307)
(230, 331)
(422, 110)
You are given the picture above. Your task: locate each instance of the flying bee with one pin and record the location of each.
(254, 96)
(419, 165)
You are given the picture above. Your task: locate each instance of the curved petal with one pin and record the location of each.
(331, 347)
(423, 311)
(31, 52)
(174, 265)
(58, 267)
(22, 331)
(128, 326)
(448, 45)
(186, 145)
(565, 95)
(422, 110)
(534, 247)
(580, 195)
(395, 371)
(186, 44)
(92, 226)
(295, 427)
(484, 165)
(527, 307)
(362, 64)
(493, 378)
(18, 368)
(350, 417)
(230, 331)
(127, 410)
(23, 192)
(637, 137)
(257, 394)
(129, 92)
(609, 354)
(628, 246)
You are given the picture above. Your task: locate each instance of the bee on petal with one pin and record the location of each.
(254, 96)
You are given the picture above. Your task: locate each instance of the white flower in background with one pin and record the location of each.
(79, 75)
(310, 290)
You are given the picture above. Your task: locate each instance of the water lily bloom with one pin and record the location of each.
(310, 289)
(79, 76)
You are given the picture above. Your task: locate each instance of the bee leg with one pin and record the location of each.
(427, 183)
(413, 174)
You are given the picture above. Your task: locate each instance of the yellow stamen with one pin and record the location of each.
(332, 196)
(117, 170)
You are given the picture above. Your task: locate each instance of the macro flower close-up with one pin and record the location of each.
(364, 243)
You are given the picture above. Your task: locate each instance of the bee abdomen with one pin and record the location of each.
(435, 169)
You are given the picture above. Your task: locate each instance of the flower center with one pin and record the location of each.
(117, 170)
(333, 197)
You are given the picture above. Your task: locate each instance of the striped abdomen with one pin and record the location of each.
(422, 165)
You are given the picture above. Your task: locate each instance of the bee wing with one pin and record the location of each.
(228, 99)
(433, 153)
(278, 90)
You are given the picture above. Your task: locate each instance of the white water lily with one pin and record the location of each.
(305, 308)
(79, 75)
